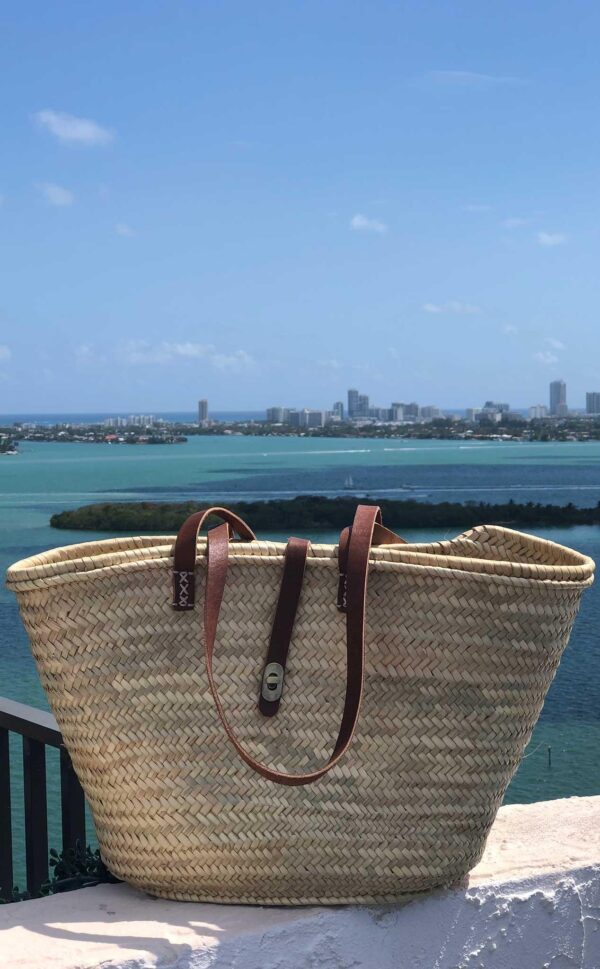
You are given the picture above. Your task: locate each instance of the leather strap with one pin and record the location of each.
(285, 615)
(381, 536)
(359, 544)
(184, 554)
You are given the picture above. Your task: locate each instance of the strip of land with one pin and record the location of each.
(313, 513)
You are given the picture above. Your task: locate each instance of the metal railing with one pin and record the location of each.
(38, 730)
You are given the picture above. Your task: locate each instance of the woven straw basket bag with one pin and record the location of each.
(208, 780)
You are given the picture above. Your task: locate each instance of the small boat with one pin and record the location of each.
(349, 483)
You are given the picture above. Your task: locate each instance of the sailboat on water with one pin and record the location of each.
(349, 483)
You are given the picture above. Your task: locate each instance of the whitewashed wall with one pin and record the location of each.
(532, 903)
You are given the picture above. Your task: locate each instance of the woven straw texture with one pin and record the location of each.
(463, 639)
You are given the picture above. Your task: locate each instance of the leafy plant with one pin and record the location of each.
(78, 867)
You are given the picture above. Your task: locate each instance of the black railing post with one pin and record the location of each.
(36, 814)
(72, 804)
(6, 858)
(38, 730)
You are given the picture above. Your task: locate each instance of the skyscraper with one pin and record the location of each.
(202, 412)
(412, 410)
(592, 402)
(558, 397)
(352, 403)
(315, 418)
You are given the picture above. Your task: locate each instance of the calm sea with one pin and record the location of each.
(45, 478)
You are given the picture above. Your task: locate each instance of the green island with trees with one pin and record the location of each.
(312, 513)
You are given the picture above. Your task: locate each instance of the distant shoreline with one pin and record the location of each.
(314, 513)
(513, 429)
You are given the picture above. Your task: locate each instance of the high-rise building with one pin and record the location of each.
(494, 411)
(412, 410)
(471, 414)
(314, 418)
(488, 414)
(140, 420)
(275, 415)
(430, 413)
(202, 412)
(497, 406)
(306, 417)
(397, 411)
(338, 410)
(537, 412)
(592, 402)
(558, 398)
(363, 405)
(352, 403)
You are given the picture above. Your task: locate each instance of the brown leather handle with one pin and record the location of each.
(184, 554)
(356, 574)
(381, 536)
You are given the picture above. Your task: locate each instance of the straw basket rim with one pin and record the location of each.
(487, 550)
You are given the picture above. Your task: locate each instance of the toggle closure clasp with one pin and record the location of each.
(272, 682)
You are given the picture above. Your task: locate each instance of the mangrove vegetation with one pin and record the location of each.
(314, 513)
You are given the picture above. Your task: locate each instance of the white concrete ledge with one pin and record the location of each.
(532, 903)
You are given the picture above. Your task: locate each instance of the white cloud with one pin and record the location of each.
(124, 229)
(56, 194)
(195, 350)
(545, 357)
(330, 364)
(551, 238)
(74, 131)
(87, 355)
(5, 352)
(140, 352)
(452, 306)
(232, 363)
(515, 222)
(466, 78)
(360, 223)
(555, 344)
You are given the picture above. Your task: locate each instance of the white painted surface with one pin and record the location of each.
(532, 903)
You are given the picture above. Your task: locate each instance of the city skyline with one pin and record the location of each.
(359, 407)
(556, 398)
(358, 404)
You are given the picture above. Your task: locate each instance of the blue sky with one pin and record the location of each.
(269, 202)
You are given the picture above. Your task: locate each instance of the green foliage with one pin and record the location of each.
(313, 514)
(77, 867)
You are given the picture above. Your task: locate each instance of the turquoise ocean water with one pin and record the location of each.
(45, 478)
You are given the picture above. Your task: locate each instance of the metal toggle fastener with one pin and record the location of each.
(272, 682)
